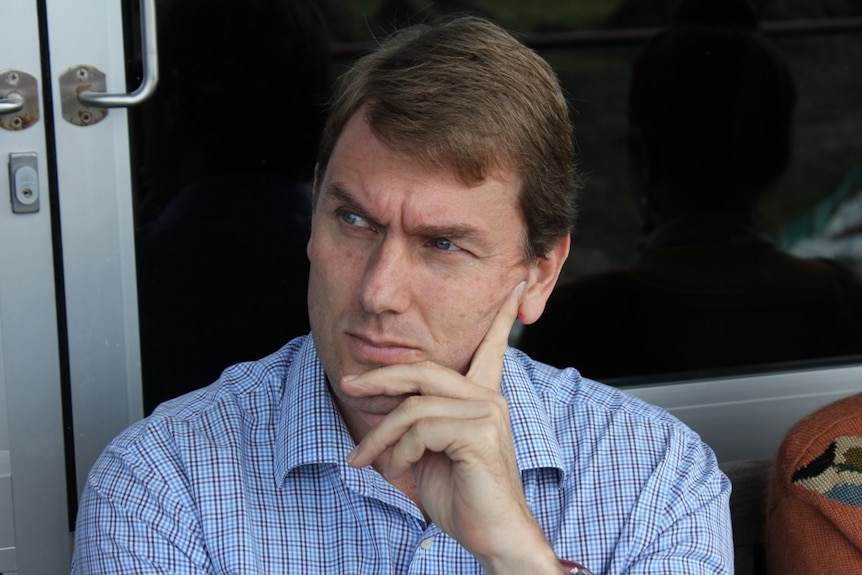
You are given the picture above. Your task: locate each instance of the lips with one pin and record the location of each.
(379, 351)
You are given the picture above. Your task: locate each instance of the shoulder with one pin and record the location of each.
(634, 465)
(245, 394)
(244, 384)
(599, 427)
(571, 396)
(157, 484)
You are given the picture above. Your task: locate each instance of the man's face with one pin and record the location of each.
(407, 265)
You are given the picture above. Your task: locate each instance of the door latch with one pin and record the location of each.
(24, 182)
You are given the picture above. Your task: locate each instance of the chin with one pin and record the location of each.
(379, 405)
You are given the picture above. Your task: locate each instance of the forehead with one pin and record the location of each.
(393, 185)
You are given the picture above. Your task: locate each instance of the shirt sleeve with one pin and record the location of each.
(133, 519)
(685, 525)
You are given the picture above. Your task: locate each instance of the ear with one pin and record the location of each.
(543, 276)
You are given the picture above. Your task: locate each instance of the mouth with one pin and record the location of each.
(381, 352)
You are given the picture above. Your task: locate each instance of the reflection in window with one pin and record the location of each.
(223, 113)
(227, 151)
(702, 203)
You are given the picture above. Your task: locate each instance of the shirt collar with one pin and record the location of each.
(311, 430)
(536, 444)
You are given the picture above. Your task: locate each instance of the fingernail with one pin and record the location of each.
(352, 455)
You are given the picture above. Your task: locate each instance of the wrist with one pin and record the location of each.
(522, 559)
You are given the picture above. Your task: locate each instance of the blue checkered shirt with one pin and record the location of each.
(249, 476)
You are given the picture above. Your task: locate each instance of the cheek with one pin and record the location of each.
(335, 273)
(462, 314)
(323, 281)
(328, 259)
(476, 297)
(462, 336)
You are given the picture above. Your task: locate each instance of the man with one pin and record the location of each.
(403, 436)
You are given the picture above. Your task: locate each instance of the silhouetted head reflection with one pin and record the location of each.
(710, 114)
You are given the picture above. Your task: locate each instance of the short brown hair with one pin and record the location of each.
(464, 94)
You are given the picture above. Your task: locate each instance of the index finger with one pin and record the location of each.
(486, 369)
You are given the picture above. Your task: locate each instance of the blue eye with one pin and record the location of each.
(445, 245)
(354, 219)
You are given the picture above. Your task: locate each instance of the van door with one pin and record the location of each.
(69, 369)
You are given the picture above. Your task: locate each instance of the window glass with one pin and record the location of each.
(225, 155)
(625, 323)
(213, 291)
(698, 312)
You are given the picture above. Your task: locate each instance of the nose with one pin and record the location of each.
(385, 286)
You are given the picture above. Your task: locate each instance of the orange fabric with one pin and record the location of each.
(814, 505)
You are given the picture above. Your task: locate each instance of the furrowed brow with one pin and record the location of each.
(341, 196)
(455, 232)
(450, 232)
(465, 236)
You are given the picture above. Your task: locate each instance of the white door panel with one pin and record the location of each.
(33, 508)
(94, 190)
(84, 200)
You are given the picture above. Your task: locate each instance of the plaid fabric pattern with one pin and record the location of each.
(249, 475)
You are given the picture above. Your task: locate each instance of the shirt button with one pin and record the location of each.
(426, 543)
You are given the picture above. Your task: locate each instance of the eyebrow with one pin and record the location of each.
(342, 196)
(453, 232)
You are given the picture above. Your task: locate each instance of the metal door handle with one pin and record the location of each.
(11, 103)
(150, 68)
